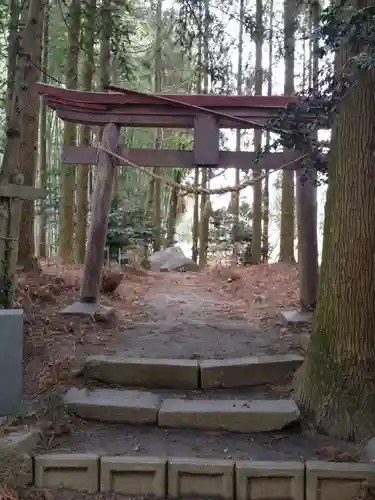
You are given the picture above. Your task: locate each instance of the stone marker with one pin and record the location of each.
(250, 371)
(98, 311)
(235, 415)
(297, 317)
(161, 373)
(171, 259)
(11, 357)
(112, 405)
(20, 442)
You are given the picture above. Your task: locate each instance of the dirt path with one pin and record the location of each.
(189, 319)
(175, 315)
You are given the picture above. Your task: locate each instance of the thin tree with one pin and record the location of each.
(256, 253)
(157, 218)
(43, 171)
(29, 131)
(236, 195)
(287, 226)
(266, 187)
(68, 172)
(83, 171)
(205, 172)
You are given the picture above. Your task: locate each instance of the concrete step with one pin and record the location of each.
(143, 372)
(226, 415)
(191, 374)
(111, 405)
(135, 407)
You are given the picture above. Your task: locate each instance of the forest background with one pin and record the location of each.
(184, 46)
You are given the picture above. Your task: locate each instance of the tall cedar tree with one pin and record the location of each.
(337, 381)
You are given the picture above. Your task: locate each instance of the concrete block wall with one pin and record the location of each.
(173, 478)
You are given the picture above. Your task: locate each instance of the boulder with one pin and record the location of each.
(171, 259)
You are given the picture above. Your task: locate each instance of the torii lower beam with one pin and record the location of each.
(89, 304)
(173, 158)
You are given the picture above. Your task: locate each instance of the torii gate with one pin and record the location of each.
(206, 114)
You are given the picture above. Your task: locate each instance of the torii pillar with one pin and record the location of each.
(88, 304)
(306, 196)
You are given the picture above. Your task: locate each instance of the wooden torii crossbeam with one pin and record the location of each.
(206, 114)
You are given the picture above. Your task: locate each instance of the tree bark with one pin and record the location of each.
(205, 173)
(236, 195)
(173, 210)
(287, 226)
(29, 128)
(13, 48)
(101, 202)
(68, 172)
(157, 210)
(204, 218)
(256, 244)
(105, 48)
(336, 383)
(266, 187)
(83, 171)
(43, 173)
(195, 229)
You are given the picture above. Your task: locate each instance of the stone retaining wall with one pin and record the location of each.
(162, 477)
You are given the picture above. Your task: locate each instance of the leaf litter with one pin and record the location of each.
(55, 345)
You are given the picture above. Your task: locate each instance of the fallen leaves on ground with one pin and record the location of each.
(54, 343)
(261, 291)
(112, 276)
(332, 453)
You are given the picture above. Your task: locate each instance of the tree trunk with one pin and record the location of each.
(83, 170)
(157, 218)
(287, 227)
(29, 133)
(195, 231)
(203, 220)
(199, 70)
(12, 46)
(205, 198)
(306, 200)
(106, 168)
(256, 244)
(336, 383)
(68, 172)
(43, 173)
(236, 195)
(173, 210)
(266, 187)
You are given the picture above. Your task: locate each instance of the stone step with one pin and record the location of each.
(225, 415)
(135, 407)
(191, 374)
(111, 405)
(143, 372)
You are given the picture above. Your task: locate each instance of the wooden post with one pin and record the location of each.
(11, 197)
(206, 141)
(205, 154)
(307, 248)
(100, 207)
(307, 239)
(101, 202)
